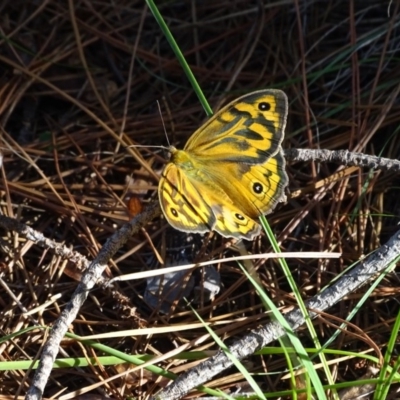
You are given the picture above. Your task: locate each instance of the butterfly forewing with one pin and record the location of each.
(181, 202)
(250, 129)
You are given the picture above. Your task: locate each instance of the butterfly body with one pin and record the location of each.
(231, 170)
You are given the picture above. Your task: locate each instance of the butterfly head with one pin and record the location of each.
(182, 159)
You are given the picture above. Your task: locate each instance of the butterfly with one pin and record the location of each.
(231, 170)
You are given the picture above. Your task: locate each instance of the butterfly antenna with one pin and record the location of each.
(162, 120)
(146, 146)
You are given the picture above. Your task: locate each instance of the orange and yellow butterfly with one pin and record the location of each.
(231, 170)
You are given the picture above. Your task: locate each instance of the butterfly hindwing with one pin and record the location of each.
(207, 208)
(257, 188)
